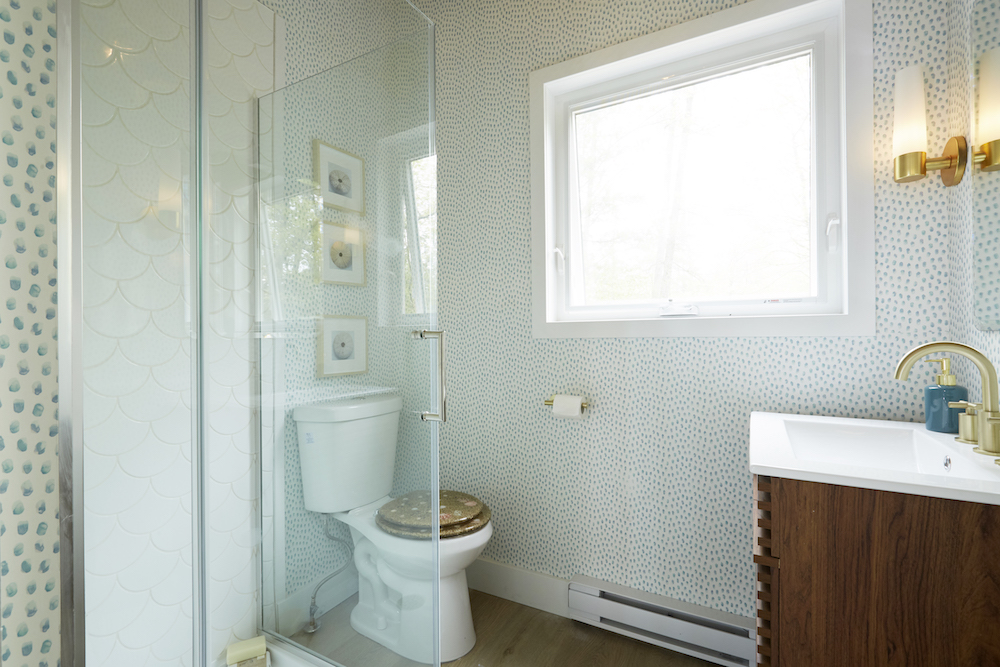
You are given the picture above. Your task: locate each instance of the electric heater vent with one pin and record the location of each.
(715, 636)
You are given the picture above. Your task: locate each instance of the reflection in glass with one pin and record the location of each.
(337, 447)
(982, 201)
(420, 281)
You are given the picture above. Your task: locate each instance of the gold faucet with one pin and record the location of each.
(988, 414)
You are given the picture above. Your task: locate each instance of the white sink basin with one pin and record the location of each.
(870, 454)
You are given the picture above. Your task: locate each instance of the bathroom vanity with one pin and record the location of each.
(875, 543)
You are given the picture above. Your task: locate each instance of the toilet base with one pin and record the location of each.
(396, 582)
(401, 616)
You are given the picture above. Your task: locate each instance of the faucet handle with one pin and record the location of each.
(970, 408)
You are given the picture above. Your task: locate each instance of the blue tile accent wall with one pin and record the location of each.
(29, 390)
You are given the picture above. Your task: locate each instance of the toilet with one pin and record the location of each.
(348, 451)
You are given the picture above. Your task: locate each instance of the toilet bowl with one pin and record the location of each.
(347, 449)
(396, 582)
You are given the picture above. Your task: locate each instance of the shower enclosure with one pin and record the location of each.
(196, 299)
(346, 283)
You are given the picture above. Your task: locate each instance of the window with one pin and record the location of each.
(420, 236)
(691, 182)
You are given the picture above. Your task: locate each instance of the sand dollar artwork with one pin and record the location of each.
(343, 345)
(340, 182)
(340, 176)
(340, 254)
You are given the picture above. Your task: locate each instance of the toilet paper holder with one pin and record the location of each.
(583, 406)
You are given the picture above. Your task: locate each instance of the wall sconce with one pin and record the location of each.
(989, 111)
(909, 136)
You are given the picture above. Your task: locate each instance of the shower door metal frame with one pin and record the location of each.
(69, 231)
(69, 242)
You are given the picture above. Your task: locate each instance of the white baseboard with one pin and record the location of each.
(293, 611)
(516, 584)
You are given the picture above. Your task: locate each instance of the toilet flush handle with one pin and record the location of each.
(442, 413)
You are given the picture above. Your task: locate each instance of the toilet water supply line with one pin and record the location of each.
(313, 624)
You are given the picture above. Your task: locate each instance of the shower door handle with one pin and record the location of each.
(442, 413)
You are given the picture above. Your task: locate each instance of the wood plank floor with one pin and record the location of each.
(508, 635)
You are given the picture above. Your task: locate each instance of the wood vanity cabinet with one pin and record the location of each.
(856, 577)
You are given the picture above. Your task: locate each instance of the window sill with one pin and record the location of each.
(854, 324)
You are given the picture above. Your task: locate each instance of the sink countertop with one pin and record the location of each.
(871, 454)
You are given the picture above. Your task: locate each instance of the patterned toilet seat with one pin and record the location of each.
(409, 516)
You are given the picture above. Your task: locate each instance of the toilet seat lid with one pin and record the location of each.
(410, 515)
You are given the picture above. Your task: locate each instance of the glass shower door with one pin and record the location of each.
(346, 295)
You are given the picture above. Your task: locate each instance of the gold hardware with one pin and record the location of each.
(914, 166)
(910, 167)
(968, 433)
(945, 377)
(952, 163)
(988, 156)
(583, 406)
(988, 416)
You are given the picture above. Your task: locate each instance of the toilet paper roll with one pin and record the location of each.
(567, 407)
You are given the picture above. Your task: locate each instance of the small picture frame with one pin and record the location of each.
(343, 255)
(341, 177)
(343, 345)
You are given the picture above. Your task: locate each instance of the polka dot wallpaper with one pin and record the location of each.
(652, 489)
(29, 389)
(322, 34)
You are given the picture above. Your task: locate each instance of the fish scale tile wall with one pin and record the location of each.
(652, 490)
(29, 390)
(137, 343)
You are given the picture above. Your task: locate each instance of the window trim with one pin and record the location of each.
(815, 40)
(395, 153)
(716, 32)
(412, 231)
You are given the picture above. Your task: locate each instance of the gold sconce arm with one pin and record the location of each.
(988, 156)
(914, 166)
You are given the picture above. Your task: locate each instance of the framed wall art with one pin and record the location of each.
(341, 177)
(343, 255)
(343, 345)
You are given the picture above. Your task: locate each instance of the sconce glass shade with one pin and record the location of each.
(909, 133)
(988, 133)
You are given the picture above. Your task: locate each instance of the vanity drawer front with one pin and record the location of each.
(880, 578)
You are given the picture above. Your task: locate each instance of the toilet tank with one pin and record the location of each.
(347, 449)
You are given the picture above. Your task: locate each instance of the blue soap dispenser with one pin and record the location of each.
(940, 417)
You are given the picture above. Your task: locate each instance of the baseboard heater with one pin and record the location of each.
(708, 634)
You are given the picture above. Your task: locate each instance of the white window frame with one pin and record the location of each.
(394, 155)
(840, 33)
(413, 232)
